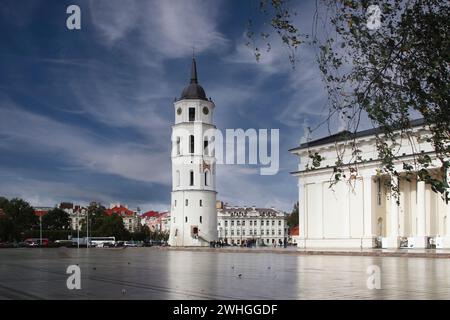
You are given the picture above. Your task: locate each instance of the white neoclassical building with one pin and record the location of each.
(264, 226)
(193, 203)
(361, 211)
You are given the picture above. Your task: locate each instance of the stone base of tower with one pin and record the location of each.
(178, 242)
(193, 225)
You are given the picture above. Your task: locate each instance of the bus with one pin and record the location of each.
(101, 242)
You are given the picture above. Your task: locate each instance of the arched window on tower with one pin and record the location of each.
(207, 178)
(191, 144)
(177, 178)
(178, 145)
(191, 114)
(191, 178)
(205, 146)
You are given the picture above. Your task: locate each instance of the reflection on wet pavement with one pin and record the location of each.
(155, 273)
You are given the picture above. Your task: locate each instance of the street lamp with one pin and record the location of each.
(40, 228)
(87, 228)
(78, 229)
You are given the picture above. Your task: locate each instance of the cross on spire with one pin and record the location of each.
(194, 71)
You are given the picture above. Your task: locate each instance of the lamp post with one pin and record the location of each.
(40, 228)
(78, 229)
(87, 228)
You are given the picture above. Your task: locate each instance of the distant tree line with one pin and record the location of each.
(19, 222)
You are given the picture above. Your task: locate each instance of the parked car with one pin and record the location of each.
(6, 245)
(63, 243)
(36, 242)
(130, 244)
(147, 244)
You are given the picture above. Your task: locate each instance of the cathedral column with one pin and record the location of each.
(301, 215)
(393, 240)
(446, 238)
(420, 240)
(369, 213)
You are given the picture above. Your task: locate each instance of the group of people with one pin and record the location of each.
(246, 243)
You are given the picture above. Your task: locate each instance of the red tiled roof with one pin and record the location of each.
(40, 213)
(120, 210)
(295, 231)
(150, 214)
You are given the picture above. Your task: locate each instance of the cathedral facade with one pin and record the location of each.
(361, 211)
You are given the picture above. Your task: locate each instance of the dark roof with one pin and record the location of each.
(193, 90)
(346, 135)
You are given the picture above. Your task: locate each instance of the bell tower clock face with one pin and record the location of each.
(205, 110)
(179, 111)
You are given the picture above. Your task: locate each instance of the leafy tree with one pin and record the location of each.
(56, 219)
(18, 218)
(95, 214)
(292, 219)
(390, 74)
(112, 226)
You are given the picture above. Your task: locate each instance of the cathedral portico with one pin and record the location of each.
(361, 210)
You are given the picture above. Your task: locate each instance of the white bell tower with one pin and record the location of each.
(193, 205)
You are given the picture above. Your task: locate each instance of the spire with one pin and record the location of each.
(193, 90)
(194, 71)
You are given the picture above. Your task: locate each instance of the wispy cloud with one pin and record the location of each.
(83, 147)
(170, 28)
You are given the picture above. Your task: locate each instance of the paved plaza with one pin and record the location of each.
(163, 273)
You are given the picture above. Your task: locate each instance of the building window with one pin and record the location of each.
(232, 232)
(279, 223)
(226, 223)
(185, 219)
(201, 220)
(175, 203)
(205, 146)
(238, 223)
(178, 145)
(267, 222)
(273, 223)
(254, 222)
(186, 202)
(226, 232)
(243, 222)
(206, 177)
(243, 232)
(232, 222)
(262, 232)
(201, 203)
(251, 222)
(251, 232)
(191, 144)
(237, 232)
(191, 114)
(279, 232)
(191, 178)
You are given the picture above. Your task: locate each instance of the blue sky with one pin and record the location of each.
(86, 115)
